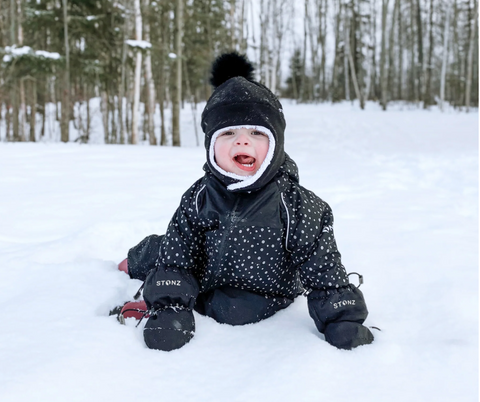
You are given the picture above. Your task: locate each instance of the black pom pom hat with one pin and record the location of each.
(239, 102)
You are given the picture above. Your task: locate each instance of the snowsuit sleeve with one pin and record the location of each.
(336, 306)
(183, 244)
(172, 282)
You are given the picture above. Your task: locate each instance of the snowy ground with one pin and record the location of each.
(403, 186)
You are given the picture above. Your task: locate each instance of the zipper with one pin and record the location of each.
(196, 198)
(232, 220)
(288, 223)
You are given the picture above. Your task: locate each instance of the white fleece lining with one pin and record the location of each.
(244, 181)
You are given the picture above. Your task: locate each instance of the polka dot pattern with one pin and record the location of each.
(275, 241)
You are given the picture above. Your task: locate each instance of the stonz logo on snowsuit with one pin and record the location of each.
(168, 283)
(327, 229)
(344, 303)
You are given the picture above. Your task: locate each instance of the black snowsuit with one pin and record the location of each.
(239, 249)
(245, 255)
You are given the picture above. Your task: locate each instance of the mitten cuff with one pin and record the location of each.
(169, 286)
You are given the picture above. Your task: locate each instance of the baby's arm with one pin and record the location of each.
(172, 282)
(336, 306)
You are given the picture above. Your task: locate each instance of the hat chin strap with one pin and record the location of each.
(243, 181)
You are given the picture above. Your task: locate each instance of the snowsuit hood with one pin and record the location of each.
(239, 102)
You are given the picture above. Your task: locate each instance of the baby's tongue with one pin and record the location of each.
(245, 159)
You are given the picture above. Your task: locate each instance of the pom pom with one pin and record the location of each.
(229, 65)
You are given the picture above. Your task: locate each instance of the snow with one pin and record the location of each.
(13, 51)
(403, 186)
(47, 55)
(18, 51)
(143, 44)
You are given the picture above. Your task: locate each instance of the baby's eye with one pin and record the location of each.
(228, 133)
(259, 133)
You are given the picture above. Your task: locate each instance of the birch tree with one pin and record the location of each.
(471, 45)
(138, 73)
(383, 73)
(427, 99)
(149, 82)
(65, 119)
(177, 79)
(445, 55)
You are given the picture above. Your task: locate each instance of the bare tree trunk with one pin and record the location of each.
(89, 120)
(471, 45)
(193, 103)
(23, 111)
(445, 56)
(121, 92)
(113, 122)
(358, 92)
(104, 111)
(302, 94)
(161, 90)
(177, 90)
(353, 72)
(333, 82)
(44, 108)
(427, 99)
(413, 65)
(323, 38)
(313, 39)
(400, 54)
(138, 73)
(14, 96)
(346, 50)
(277, 35)
(33, 111)
(456, 89)
(150, 84)
(23, 106)
(391, 64)
(232, 23)
(65, 119)
(243, 25)
(1, 111)
(9, 124)
(265, 19)
(371, 62)
(254, 43)
(383, 75)
(128, 107)
(420, 69)
(13, 19)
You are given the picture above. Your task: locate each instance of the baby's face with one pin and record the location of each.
(241, 150)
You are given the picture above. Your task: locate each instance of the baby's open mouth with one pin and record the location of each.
(245, 162)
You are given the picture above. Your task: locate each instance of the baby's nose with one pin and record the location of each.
(243, 140)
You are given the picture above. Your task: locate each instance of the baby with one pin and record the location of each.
(247, 238)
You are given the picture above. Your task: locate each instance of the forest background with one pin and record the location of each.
(145, 60)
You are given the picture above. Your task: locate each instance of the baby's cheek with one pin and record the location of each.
(220, 156)
(262, 151)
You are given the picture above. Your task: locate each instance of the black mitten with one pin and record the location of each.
(347, 334)
(167, 287)
(339, 314)
(170, 295)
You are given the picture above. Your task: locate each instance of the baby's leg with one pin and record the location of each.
(233, 306)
